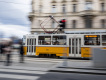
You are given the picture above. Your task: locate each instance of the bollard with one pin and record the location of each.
(65, 64)
(99, 58)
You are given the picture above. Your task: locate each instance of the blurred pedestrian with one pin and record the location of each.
(2, 46)
(0, 51)
(21, 50)
(8, 49)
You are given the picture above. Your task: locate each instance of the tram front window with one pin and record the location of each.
(44, 40)
(91, 40)
(104, 40)
(59, 40)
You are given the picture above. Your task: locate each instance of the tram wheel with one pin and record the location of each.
(54, 56)
(57, 57)
(40, 55)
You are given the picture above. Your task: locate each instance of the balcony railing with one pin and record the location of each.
(88, 12)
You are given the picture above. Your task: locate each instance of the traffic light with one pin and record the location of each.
(63, 23)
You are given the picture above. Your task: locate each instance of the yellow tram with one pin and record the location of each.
(70, 45)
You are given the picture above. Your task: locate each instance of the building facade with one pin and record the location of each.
(80, 15)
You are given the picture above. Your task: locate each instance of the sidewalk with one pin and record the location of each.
(27, 65)
(30, 64)
(77, 66)
(23, 66)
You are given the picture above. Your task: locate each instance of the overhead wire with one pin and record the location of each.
(12, 10)
(34, 2)
(14, 3)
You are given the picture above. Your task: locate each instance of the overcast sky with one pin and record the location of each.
(14, 17)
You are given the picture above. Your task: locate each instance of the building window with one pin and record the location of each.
(53, 9)
(53, 24)
(74, 23)
(103, 23)
(102, 7)
(64, 8)
(88, 5)
(74, 7)
(40, 9)
(88, 22)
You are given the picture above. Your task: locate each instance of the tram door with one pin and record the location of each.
(31, 46)
(75, 47)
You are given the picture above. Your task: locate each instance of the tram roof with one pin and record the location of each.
(86, 32)
(74, 32)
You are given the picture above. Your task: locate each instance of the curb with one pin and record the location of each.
(102, 69)
(96, 73)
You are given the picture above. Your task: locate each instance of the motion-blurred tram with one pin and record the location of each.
(70, 45)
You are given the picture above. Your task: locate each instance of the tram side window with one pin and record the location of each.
(91, 40)
(104, 40)
(24, 40)
(27, 41)
(44, 40)
(59, 40)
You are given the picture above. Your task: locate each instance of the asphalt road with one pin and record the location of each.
(61, 76)
(8, 79)
(33, 64)
(71, 76)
